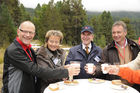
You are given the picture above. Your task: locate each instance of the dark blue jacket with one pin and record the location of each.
(77, 53)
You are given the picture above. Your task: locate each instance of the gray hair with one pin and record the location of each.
(120, 23)
(27, 22)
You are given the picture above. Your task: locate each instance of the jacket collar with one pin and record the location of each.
(25, 47)
(130, 43)
(45, 51)
(93, 49)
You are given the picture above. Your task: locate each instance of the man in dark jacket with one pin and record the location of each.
(20, 68)
(86, 52)
(121, 51)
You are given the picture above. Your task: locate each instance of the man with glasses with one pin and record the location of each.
(20, 68)
(26, 32)
(86, 52)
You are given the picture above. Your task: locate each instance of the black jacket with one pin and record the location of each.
(19, 75)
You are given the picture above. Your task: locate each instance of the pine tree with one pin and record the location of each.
(13, 8)
(73, 17)
(78, 19)
(106, 25)
(7, 32)
(24, 14)
(130, 30)
(47, 18)
(95, 24)
(65, 12)
(36, 20)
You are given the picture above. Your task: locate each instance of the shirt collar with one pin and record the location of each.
(89, 46)
(124, 45)
(22, 44)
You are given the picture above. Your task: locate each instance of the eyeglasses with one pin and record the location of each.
(26, 32)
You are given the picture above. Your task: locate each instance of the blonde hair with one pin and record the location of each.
(53, 33)
(120, 23)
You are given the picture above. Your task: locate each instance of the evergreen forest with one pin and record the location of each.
(69, 16)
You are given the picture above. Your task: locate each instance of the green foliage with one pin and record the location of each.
(130, 31)
(102, 25)
(13, 8)
(101, 41)
(24, 14)
(69, 16)
(78, 19)
(136, 26)
(106, 25)
(11, 14)
(2, 50)
(47, 18)
(73, 17)
(30, 11)
(7, 32)
(134, 18)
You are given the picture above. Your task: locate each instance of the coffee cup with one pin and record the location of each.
(103, 66)
(90, 67)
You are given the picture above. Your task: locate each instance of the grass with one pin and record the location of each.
(1, 68)
(2, 50)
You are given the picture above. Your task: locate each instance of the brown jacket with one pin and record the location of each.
(110, 55)
(135, 64)
(45, 59)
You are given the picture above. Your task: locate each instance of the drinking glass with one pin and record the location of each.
(74, 64)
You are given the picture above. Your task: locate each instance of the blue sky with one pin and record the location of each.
(95, 5)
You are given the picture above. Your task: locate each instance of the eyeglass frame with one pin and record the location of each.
(26, 32)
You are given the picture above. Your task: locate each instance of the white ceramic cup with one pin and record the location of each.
(103, 68)
(90, 67)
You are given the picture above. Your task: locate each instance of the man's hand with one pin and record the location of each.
(90, 70)
(73, 70)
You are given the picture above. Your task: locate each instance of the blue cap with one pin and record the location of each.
(87, 28)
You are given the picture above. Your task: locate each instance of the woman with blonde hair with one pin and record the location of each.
(50, 55)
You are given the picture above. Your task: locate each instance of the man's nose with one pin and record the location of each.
(115, 34)
(28, 34)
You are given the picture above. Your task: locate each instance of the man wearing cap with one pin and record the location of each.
(86, 52)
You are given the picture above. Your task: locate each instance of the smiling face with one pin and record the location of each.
(118, 34)
(26, 32)
(53, 42)
(86, 37)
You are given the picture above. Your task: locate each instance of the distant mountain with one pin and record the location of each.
(120, 14)
(30, 10)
